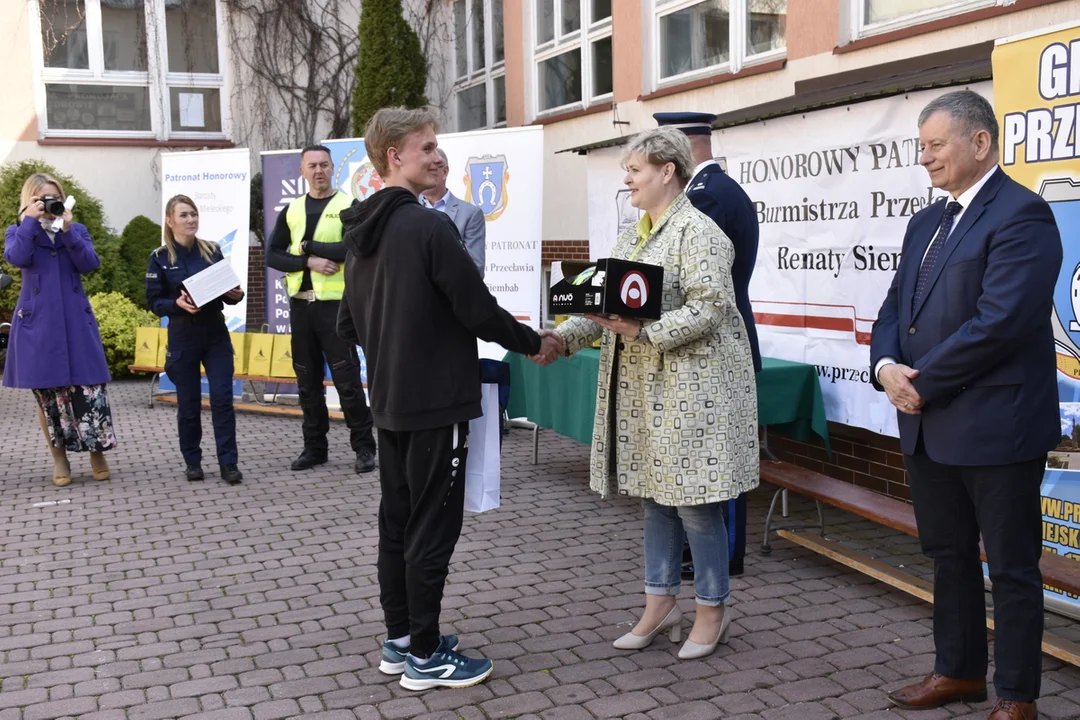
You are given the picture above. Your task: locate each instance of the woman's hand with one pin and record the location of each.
(67, 219)
(235, 294)
(185, 303)
(628, 327)
(35, 209)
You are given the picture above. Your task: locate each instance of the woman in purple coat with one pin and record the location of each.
(55, 348)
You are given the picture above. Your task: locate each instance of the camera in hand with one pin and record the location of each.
(53, 205)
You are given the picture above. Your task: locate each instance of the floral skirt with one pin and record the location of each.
(78, 417)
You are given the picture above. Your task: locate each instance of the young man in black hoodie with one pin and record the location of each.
(416, 303)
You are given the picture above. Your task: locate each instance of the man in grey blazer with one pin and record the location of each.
(468, 218)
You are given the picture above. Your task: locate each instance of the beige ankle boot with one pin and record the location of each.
(100, 466)
(61, 467)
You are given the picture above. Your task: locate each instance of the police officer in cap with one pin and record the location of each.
(715, 193)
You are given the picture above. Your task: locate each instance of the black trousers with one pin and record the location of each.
(314, 335)
(952, 505)
(422, 476)
(194, 341)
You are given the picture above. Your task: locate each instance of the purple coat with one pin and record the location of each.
(54, 335)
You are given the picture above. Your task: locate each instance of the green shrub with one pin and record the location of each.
(87, 211)
(111, 275)
(256, 208)
(117, 319)
(390, 68)
(139, 238)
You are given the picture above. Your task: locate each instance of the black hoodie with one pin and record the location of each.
(415, 302)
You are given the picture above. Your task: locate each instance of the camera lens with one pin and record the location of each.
(53, 206)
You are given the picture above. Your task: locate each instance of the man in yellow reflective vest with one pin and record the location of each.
(306, 245)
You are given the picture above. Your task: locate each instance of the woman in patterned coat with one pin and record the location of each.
(676, 406)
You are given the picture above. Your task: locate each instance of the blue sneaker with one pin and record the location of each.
(445, 668)
(393, 657)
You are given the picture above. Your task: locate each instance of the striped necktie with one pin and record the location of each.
(932, 254)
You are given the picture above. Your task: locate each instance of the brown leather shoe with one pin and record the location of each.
(1010, 710)
(937, 690)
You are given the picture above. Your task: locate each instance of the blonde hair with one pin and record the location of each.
(206, 248)
(389, 126)
(661, 146)
(32, 188)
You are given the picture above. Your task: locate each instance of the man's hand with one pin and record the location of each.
(628, 327)
(185, 303)
(322, 265)
(896, 379)
(235, 294)
(552, 346)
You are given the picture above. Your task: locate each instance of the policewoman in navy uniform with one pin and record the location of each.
(715, 193)
(196, 336)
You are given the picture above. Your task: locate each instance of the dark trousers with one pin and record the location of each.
(952, 504)
(314, 335)
(422, 476)
(192, 343)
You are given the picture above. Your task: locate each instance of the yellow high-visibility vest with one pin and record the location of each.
(326, 287)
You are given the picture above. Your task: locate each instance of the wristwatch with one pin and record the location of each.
(643, 334)
(305, 247)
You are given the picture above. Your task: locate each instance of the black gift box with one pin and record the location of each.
(610, 287)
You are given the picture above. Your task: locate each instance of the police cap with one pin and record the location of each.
(691, 123)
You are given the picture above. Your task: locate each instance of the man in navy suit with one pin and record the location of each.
(964, 348)
(713, 192)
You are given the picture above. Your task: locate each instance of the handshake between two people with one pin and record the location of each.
(552, 345)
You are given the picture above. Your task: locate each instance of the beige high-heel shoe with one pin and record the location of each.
(672, 623)
(100, 466)
(61, 467)
(691, 650)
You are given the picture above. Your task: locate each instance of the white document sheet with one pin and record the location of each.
(211, 283)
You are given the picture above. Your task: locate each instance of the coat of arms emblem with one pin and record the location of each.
(486, 178)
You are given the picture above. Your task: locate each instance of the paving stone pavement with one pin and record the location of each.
(147, 597)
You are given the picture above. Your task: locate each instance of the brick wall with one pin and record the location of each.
(859, 456)
(555, 250)
(256, 290)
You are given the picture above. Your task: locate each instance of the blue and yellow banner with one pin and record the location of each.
(1037, 100)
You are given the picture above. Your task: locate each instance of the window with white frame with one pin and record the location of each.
(572, 54)
(129, 68)
(479, 64)
(694, 38)
(872, 17)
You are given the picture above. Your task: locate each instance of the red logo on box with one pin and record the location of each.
(634, 290)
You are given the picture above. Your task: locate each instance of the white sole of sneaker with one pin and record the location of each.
(417, 684)
(389, 668)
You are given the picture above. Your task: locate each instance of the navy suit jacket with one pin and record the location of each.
(714, 193)
(981, 337)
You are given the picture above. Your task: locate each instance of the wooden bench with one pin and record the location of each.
(1058, 571)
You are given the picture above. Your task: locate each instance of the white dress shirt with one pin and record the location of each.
(964, 199)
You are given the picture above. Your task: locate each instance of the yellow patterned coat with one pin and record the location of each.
(685, 406)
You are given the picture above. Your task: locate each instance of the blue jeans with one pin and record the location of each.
(703, 526)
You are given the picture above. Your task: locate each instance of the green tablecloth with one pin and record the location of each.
(562, 396)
